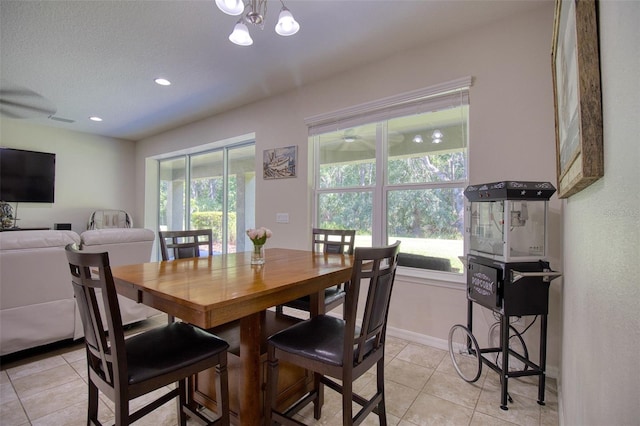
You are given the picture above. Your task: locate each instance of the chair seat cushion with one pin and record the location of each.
(169, 348)
(331, 295)
(320, 338)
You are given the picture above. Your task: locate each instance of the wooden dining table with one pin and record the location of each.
(215, 290)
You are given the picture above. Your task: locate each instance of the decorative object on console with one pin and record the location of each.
(256, 15)
(259, 238)
(6, 216)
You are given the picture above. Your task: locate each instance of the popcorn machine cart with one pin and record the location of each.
(506, 273)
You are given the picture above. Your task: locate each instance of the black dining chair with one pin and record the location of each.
(124, 369)
(329, 241)
(185, 244)
(337, 350)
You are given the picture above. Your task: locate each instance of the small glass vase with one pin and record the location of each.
(257, 256)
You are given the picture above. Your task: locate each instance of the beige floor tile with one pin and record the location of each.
(44, 380)
(12, 414)
(398, 398)
(407, 373)
(7, 393)
(549, 414)
(422, 388)
(523, 411)
(79, 354)
(453, 389)
(80, 368)
(55, 399)
(481, 419)
(521, 386)
(25, 370)
(422, 355)
(431, 410)
(74, 415)
(393, 346)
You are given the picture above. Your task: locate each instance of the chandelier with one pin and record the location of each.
(256, 11)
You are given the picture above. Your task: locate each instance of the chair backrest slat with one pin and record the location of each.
(333, 240)
(185, 244)
(375, 267)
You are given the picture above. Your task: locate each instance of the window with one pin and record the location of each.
(397, 172)
(210, 190)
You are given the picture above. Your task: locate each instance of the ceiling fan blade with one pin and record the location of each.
(20, 102)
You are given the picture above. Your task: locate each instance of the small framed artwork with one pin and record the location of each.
(577, 96)
(280, 163)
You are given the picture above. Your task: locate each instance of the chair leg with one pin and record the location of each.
(318, 402)
(182, 401)
(92, 407)
(382, 411)
(347, 402)
(272, 384)
(121, 410)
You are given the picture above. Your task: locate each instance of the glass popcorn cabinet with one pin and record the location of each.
(508, 274)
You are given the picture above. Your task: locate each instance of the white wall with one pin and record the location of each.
(92, 173)
(600, 381)
(511, 131)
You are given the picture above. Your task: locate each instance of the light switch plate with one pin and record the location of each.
(282, 217)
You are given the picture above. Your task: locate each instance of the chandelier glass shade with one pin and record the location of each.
(230, 7)
(240, 35)
(256, 11)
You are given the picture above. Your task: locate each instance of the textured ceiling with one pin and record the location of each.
(100, 57)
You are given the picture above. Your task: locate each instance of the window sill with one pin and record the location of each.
(433, 278)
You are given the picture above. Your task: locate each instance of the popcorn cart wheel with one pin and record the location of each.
(465, 353)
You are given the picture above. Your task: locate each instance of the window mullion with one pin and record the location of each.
(379, 195)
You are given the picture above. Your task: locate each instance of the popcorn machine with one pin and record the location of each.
(508, 274)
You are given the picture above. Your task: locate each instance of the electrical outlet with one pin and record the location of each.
(282, 217)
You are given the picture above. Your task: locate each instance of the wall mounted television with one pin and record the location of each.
(27, 176)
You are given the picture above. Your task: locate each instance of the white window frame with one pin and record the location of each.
(455, 92)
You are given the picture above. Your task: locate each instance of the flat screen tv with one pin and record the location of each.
(27, 176)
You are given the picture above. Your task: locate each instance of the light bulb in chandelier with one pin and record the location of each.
(231, 7)
(286, 25)
(436, 136)
(240, 35)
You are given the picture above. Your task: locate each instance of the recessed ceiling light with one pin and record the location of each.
(162, 82)
(94, 118)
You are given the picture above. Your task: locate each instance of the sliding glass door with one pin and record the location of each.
(210, 190)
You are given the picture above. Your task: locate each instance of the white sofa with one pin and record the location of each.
(36, 298)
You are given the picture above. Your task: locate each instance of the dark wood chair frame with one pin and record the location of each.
(361, 348)
(329, 241)
(117, 366)
(185, 244)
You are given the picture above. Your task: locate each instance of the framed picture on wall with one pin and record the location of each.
(280, 163)
(577, 96)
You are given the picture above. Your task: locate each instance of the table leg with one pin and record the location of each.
(250, 402)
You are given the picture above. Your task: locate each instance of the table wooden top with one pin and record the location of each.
(210, 291)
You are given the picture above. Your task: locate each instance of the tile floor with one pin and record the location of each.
(422, 388)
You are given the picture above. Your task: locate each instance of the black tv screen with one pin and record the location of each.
(27, 176)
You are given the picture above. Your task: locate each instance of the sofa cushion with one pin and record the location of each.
(20, 240)
(96, 237)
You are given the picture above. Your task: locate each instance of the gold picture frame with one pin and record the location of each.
(577, 96)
